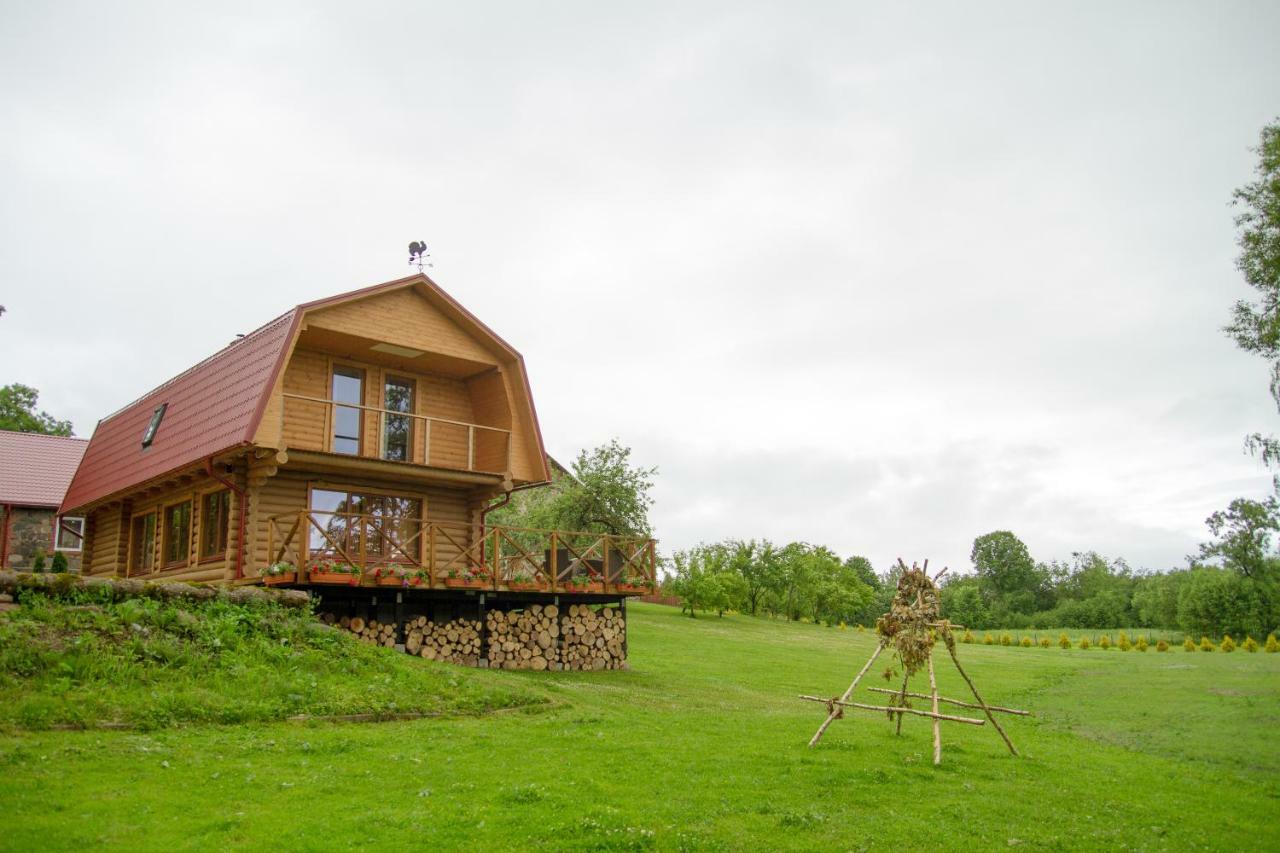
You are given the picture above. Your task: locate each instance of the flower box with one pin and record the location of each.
(633, 588)
(279, 580)
(594, 586)
(527, 586)
(334, 578)
(392, 580)
(467, 583)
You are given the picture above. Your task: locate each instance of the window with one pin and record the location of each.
(70, 534)
(153, 425)
(387, 524)
(348, 387)
(177, 534)
(397, 430)
(142, 545)
(215, 513)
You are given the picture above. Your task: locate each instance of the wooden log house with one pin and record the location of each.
(351, 447)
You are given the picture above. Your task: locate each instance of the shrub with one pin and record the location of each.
(1084, 642)
(1189, 645)
(37, 565)
(1025, 642)
(59, 565)
(986, 640)
(1162, 645)
(843, 627)
(968, 637)
(1250, 644)
(1273, 645)
(1228, 644)
(1141, 644)
(1064, 642)
(1006, 639)
(1044, 643)
(1123, 643)
(1105, 642)
(1206, 645)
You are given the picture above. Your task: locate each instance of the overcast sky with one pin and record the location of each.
(881, 277)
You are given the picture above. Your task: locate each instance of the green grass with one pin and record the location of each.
(701, 746)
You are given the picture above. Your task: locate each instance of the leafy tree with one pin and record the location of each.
(1255, 326)
(1215, 601)
(606, 493)
(863, 571)
(961, 602)
(1244, 534)
(18, 412)
(1007, 576)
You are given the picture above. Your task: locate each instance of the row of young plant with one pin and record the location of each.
(1140, 643)
(57, 565)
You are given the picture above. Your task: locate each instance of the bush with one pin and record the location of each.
(1105, 642)
(1228, 644)
(1189, 645)
(986, 640)
(1206, 645)
(59, 562)
(1250, 644)
(1064, 642)
(1123, 643)
(1162, 646)
(1084, 642)
(1044, 643)
(1273, 645)
(1141, 644)
(37, 565)
(1006, 639)
(968, 637)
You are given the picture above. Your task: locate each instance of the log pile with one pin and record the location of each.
(373, 632)
(593, 638)
(524, 639)
(454, 642)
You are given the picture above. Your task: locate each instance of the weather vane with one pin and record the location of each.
(418, 255)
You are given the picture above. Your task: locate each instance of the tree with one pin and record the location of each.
(604, 494)
(1007, 576)
(1244, 543)
(961, 601)
(1255, 326)
(18, 412)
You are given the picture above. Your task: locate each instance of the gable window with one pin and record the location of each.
(215, 513)
(70, 534)
(176, 544)
(153, 425)
(397, 429)
(348, 387)
(142, 544)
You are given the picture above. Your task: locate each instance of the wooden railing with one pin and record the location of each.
(439, 555)
(440, 442)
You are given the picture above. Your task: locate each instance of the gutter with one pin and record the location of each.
(506, 499)
(239, 492)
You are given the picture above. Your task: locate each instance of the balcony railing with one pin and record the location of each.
(410, 437)
(411, 552)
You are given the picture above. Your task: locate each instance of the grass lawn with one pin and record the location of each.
(701, 746)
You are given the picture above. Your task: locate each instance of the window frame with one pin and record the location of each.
(334, 405)
(202, 527)
(164, 534)
(409, 415)
(57, 534)
(131, 568)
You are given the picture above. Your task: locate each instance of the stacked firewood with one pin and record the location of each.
(524, 639)
(593, 638)
(371, 631)
(455, 642)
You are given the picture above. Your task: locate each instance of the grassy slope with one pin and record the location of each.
(701, 746)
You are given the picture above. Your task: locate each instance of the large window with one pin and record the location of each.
(397, 430)
(386, 526)
(70, 534)
(142, 544)
(215, 512)
(348, 387)
(177, 534)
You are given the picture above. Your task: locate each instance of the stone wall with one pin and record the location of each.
(31, 530)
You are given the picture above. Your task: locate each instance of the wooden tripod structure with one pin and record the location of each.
(912, 627)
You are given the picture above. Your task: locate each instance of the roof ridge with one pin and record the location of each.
(43, 435)
(171, 380)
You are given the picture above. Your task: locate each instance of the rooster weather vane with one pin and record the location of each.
(418, 255)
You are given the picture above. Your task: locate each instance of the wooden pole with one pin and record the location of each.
(937, 728)
(956, 702)
(845, 698)
(990, 716)
(902, 700)
(893, 709)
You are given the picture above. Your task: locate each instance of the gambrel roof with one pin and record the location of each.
(217, 405)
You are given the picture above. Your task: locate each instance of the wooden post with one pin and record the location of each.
(974, 690)
(937, 727)
(494, 558)
(304, 547)
(653, 564)
(845, 698)
(426, 442)
(555, 562)
(364, 535)
(431, 555)
(902, 699)
(604, 562)
(471, 447)
(271, 539)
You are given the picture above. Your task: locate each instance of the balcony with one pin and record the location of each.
(398, 436)
(415, 553)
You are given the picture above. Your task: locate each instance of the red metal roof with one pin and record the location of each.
(35, 469)
(212, 408)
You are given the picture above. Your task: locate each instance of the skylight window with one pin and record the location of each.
(153, 425)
